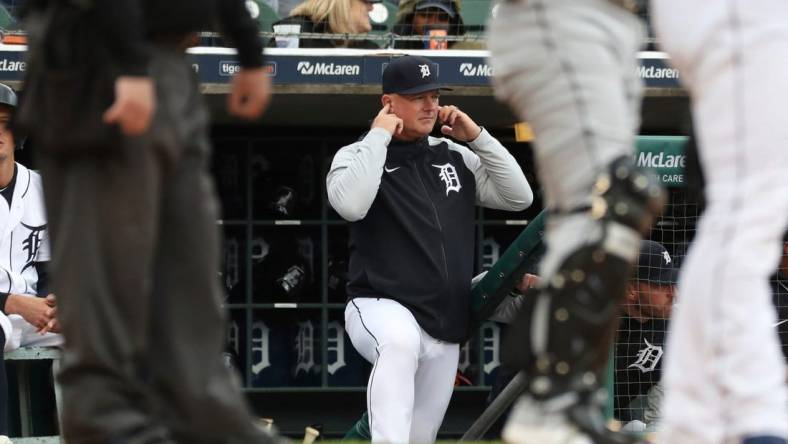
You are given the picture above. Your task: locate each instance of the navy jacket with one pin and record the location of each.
(412, 213)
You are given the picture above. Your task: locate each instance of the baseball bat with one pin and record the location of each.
(310, 435)
(508, 395)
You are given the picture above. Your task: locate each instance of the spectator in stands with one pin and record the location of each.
(425, 18)
(326, 17)
(641, 331)
(780, 294)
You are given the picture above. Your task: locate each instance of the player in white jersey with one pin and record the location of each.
(24, 246)
(724, 373)
(25, 318)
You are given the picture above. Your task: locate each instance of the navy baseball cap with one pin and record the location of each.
(411, 75)
(446, 6)
(655, 264)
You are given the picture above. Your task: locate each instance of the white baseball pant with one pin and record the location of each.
(724, 373)
(412, 376)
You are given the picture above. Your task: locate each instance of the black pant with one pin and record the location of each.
(135, 260)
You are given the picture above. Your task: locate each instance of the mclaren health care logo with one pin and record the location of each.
(668, 167)
(657, 72)
(476, 70)
(308, 68)
(648, 159)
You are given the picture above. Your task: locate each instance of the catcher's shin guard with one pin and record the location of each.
(562, 336)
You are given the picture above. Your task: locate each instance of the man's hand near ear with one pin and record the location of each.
(388, 121)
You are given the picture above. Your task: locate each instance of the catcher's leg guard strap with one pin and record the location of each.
(627, 195)
(561, 336)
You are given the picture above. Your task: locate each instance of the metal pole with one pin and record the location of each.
(496, 408)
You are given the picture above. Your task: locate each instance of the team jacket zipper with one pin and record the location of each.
(437, 220)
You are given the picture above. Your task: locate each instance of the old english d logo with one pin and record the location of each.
(448, 174)
(425, 70)
(666, 257)
(647, 358)
(32, 243)
(305, 348)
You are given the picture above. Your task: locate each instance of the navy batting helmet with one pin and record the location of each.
(8, 98)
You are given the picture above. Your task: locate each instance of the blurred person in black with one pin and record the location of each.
(121, 134)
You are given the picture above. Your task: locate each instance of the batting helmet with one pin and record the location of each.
(8, 98)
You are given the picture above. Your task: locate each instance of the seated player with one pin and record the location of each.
(641, 331)
(27, 308)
